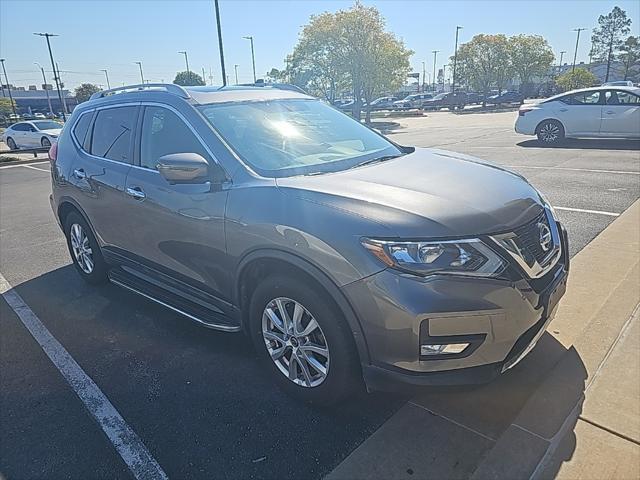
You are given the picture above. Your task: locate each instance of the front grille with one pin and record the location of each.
(529, 236)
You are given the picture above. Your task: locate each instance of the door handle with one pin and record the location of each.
(609, 112)
(136, 192)
(79, 173)
(564, 109)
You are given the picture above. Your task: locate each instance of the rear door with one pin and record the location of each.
(581, 113)
(99, 170)
(19, 134)
(621, 114)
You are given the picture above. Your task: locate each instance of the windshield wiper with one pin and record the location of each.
(378, 160)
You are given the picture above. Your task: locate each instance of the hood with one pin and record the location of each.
(427, 193)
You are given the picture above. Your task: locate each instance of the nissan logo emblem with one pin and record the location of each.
(545, 237)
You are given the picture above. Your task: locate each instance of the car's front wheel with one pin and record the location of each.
(84, 249)
(550, 132)
(304, 340)
(45, 142)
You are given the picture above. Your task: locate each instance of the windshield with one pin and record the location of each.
(47, 125)
(295, 137)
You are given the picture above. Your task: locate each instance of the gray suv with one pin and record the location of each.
(343, 255)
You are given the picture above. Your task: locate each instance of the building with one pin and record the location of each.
(31, 100)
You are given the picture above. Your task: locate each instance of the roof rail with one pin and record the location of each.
(168, 87)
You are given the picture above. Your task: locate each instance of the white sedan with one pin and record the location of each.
(604, 112)
(37, 133)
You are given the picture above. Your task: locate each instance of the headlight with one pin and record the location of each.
(454, 257)
(547, 204)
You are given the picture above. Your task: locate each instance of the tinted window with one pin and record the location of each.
(584, 98)
(163, 133)
(112, 133)
(620, 97)
(81, 127)
(19, 127)
(47, 125)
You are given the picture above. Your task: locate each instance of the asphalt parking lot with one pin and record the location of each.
(198, 399)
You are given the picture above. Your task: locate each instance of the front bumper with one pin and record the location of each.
(500, 318)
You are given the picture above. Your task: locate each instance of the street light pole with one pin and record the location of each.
(455, 60)
(560, 64)
(56, 74)
(444, 75)
(424, 73)
(435, 55)
(44, 86)
(235, 67)
(186, 61)
(141, 75)
(253, 57)
(13, 106)
(575, 53)
(106, 75)
(224, 74)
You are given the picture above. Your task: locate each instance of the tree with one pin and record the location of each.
(607, 37)
(6, 108)
(531, 56)
(485, 61)
(579, 78)
(188, 79)
(630, 57)
(84, 91)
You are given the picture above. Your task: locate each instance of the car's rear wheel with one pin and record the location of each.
(304, 340)
(84, 249)
(45, 142)
(550, 132)
(11, 144)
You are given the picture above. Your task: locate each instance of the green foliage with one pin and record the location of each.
(84, 91)
(531, 56)
(188, 79)
(579, 78)
(348, 50)
(5, 107)
(607, 37)
(485, 61)
(630, 58)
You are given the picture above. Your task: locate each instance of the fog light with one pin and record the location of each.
(443, 349)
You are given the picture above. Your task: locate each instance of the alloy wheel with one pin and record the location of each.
(549, 132)
(295, 342)
(45, 142)
(81, 248)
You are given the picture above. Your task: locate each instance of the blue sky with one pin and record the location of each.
(114, 34)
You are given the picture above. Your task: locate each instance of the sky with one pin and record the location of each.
(113, 34)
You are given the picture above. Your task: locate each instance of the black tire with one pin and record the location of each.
(550, 132)
(11, 144)
(45, 142)
(98, 274)
(343, 375)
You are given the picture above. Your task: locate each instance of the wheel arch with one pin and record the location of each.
(251, 270)
(68, 205)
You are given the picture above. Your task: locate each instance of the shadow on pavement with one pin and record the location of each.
(586, 143)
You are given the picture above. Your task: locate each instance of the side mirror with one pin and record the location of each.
(184, 168)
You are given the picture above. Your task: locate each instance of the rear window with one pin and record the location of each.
(111, 137)
(81, 127)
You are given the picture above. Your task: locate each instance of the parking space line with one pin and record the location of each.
(583, 210)
(590, 170)
(22, 165)
(36, 168)
(128, 445)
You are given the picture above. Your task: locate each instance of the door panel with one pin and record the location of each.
(621, 115)
(580, 113)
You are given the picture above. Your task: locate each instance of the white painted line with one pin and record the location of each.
(591, 170)
(582, 210)
(124, 439)
(23, 165)
(36, 168)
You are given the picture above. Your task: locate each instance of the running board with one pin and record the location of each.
(179, 305)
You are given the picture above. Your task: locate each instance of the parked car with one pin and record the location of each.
(474, 98)
(39, 116)
(382, 103)
(618, 83)
(412, 101)
(505, 98)
(268, 212)
(36, 133)
(446, 100)
(612, 112)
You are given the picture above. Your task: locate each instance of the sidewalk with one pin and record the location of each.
(571, 409)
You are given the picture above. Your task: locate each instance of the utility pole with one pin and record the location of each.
(575, 53)
(235, 67)
(424, 75)
(186, 61)
(444, 75)
(204, 78)
(56, 75)
(435, 55)
(65, 109)
(141, 75)
(560, 64)
(210, 76)
(44, 86)
(106, 74)
(13, 107)
(253, 57)
(455, 60)
(224, 74)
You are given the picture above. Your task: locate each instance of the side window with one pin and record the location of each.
(164, 133)
(81, 127)
(111, 137)
(620, 97)
(19, 127)
(585, 98)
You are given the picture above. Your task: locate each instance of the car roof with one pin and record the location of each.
(604, 87)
